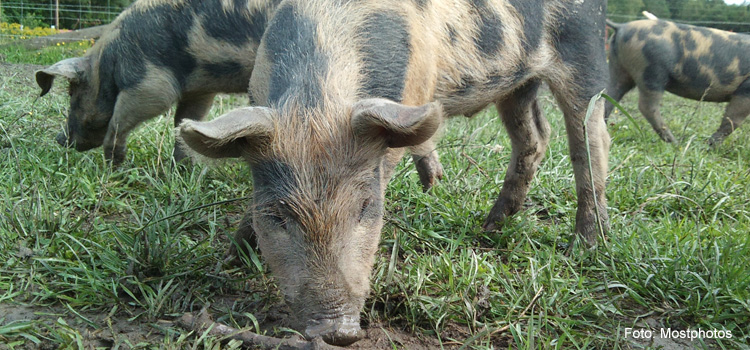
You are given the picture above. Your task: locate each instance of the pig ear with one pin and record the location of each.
(397, 124)
(67, 68)
(239, 132)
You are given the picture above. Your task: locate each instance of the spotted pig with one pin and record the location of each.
(698, 63)
(343, 86)
(157, 53)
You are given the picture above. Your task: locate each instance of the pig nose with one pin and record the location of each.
(340, 331)
(62, 139)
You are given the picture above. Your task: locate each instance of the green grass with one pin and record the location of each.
(45, 56)
(88, 248)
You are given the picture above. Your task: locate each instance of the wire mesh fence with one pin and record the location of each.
(77, 14)
(63, 14)
(21, 19)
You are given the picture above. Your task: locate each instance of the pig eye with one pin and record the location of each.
(365, 208)
(278, 220)
(276, 216)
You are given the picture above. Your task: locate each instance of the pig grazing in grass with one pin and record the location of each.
(153, 55)
(343, 86)
(698, 63)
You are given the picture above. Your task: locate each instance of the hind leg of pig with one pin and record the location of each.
(427, 161)
(193, 108)
(529, 135)
(620, 84)
(130, 111)
(648, 104)
(736, 112)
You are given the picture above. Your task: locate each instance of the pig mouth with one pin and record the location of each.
(341, 331)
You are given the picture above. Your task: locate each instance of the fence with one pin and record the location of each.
(85, 13)
(69, 15)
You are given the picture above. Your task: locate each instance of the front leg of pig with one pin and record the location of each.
(193, 107)
(427, 162)
(132, 108)
(244, 239)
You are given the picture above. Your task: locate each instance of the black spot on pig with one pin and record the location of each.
(466, 86)
(489, 40)
(655, 78)
(690, 43)
(231, 25)
(385, 55)
(679, 47)
(167, 30)
(533, 22)
(421, 4)
(222, 69)
(273, 179)
(576, 47)
(452, 34)
(294, 59)
(744, 89)
(626, 35)
(659, 27)
(658, 52)
(643, 33)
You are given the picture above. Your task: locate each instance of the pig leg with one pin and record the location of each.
(736, 112)
(648, 104)
(131, 109)
(529, 136)
(244, 237)
(194, 108)
(592, 202)
(620, 84)
(392, 158)
(428, 165)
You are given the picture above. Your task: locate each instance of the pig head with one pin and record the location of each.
(317, 209)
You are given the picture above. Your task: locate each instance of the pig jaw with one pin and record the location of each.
(341, 331)
(325, 292)
(324, 302)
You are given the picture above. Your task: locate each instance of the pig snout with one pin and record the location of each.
(340, 331)
(65, 139)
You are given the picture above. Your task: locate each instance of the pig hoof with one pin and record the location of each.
(668, 137)
(714, 142)
(493, 222)
(430, 170)
(502, 210)
(336, 332)
(115, 154)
